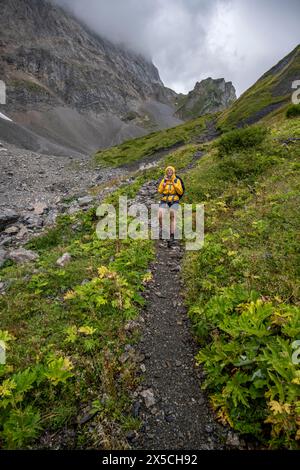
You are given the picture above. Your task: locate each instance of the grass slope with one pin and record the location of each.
(65, 382)
(135, 149)
(66, 328)
(242, 288)
(272, 90)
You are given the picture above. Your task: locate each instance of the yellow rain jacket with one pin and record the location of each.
(173, 187)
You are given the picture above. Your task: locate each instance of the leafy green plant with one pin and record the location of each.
(20, 420)
(293, 111)
(248, 364)
(108, 288)
(58, 370)
(21, 427)
(241, 139)
(242, 287)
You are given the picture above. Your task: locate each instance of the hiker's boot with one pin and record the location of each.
(171, 241)
(160, 237)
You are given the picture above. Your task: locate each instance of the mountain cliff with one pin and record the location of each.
(61, 77)
(208, 96)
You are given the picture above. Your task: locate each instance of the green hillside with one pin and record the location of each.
(243, 286)
(135, 149)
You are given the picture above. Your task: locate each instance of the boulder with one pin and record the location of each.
(64, 259)
(85, 200)
(23, 231)
(2, 257)
(21, 255)
(39, 208)
(12, 230)
(148, 396)
(7, 217)
(33, 220)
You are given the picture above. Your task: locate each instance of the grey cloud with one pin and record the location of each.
(189, 40)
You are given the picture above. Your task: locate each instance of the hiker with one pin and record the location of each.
(171, 189)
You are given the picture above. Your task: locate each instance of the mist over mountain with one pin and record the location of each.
(69, 88)
(190, 40)
(72, 87)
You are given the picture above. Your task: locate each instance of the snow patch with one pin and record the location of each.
(2, 116)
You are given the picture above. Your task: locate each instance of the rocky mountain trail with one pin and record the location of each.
(175, 412)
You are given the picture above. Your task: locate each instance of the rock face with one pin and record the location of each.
(7, 217)
(208, 96)
(58, 60)
(50, 61)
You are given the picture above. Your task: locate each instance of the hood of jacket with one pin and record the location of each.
(168, 168)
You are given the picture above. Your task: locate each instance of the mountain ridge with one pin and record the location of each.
(270, 92)
(50, 60)
(71, 90)
(208, 96)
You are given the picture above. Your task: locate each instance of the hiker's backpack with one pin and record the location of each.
(182, 184)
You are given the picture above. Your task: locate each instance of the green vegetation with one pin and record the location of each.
(256, 98)
(28, 85)
(293, 111)
(241, 139)
(64, 329)
(244, 153)
(242, 287)
(135, 149)
(196, 104)
(248, 363)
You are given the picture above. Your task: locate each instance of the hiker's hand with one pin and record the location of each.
(164, 185)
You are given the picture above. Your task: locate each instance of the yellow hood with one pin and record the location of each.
(172, 168)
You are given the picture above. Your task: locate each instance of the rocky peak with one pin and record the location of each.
(208, 96)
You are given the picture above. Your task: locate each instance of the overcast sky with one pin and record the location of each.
(189, 40)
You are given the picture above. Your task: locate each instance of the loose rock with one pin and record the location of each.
(148, 396)
(21, 255)
(64, 259)
(85, 200)
(7, 217)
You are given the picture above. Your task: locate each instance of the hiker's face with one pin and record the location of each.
(169, 173)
